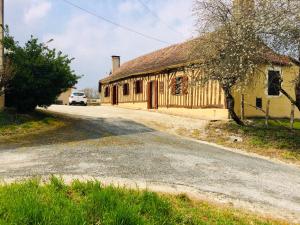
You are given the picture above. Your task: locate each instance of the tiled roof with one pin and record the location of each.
(174, 56)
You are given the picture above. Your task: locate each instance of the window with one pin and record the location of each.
(274, 83)
(99, 87)
(79, 94)
(106, 92)
(259, 103)
(139, 87)
(178, 86)
(126, 89)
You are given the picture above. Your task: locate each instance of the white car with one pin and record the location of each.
(78, 98)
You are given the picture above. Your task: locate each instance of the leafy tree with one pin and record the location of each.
(6, 74)
(41, 74)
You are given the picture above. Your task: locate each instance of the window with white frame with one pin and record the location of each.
(274, 82)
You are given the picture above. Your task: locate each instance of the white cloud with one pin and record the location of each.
(36, 11)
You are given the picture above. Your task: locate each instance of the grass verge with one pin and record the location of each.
(277, 141)
(30, 202)
(14, 124)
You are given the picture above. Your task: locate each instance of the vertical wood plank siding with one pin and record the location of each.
(209, 95)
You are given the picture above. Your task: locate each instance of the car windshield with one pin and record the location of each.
(78, 94)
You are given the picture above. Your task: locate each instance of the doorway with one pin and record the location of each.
(152, 94)
(115, 95)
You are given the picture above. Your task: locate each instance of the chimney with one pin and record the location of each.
(115, 63)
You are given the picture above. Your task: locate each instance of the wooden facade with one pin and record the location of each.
(159, 90)
(166, 80)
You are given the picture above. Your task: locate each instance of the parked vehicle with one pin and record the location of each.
(78, 98)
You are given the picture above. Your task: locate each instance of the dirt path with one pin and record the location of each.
(109, 144)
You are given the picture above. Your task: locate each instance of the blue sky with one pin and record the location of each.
(92, 41)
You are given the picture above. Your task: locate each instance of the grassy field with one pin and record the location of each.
(277, 141)
(13, 124)
(90, 203)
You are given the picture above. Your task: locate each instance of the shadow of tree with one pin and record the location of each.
(76, 130)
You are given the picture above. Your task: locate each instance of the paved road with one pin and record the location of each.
(110, 144)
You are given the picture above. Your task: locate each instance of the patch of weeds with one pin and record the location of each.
(33, 202)
(13, 124)
(276, 141)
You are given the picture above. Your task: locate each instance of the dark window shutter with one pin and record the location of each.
(185, 85)
(141, 86)
(156, 94)
(274, 83)
(135, 87)
(173, 86)
(149, 95)
(99, 87)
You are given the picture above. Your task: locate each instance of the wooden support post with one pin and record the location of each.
(267, 114)
(242, 107)
(292, 116)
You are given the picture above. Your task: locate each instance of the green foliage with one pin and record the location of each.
(278, 135)
(34, 203)
(41, 74)
(276, 141)
(14, 124)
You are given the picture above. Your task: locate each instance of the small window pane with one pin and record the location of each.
(139, 87)
(106, 92)
(78, 94)
(126, 89)
(259, 103)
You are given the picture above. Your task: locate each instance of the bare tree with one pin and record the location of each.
(237, 36)
(91, 93)
(227, 48)
(278, 25)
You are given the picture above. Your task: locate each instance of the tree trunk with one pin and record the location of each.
(230, 106)
(267, 114)
(292, 119)
(296, 103)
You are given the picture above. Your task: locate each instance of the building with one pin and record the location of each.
(1, 46)
(162, 79)
(63, 98)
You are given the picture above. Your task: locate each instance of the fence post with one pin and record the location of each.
(243, 107)
(267, 114)
(292, 116)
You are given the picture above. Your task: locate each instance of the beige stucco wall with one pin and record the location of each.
(280, 106)
(138, 105)
(64, 97)
(206, 114)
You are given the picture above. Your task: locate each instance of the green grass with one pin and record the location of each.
(278, 140)
(12, 124)
(31, 202)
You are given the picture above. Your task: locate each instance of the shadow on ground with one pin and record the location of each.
(76, 130)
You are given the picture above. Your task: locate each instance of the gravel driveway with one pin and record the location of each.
(124, 146)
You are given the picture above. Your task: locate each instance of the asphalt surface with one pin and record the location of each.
(118, 147)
